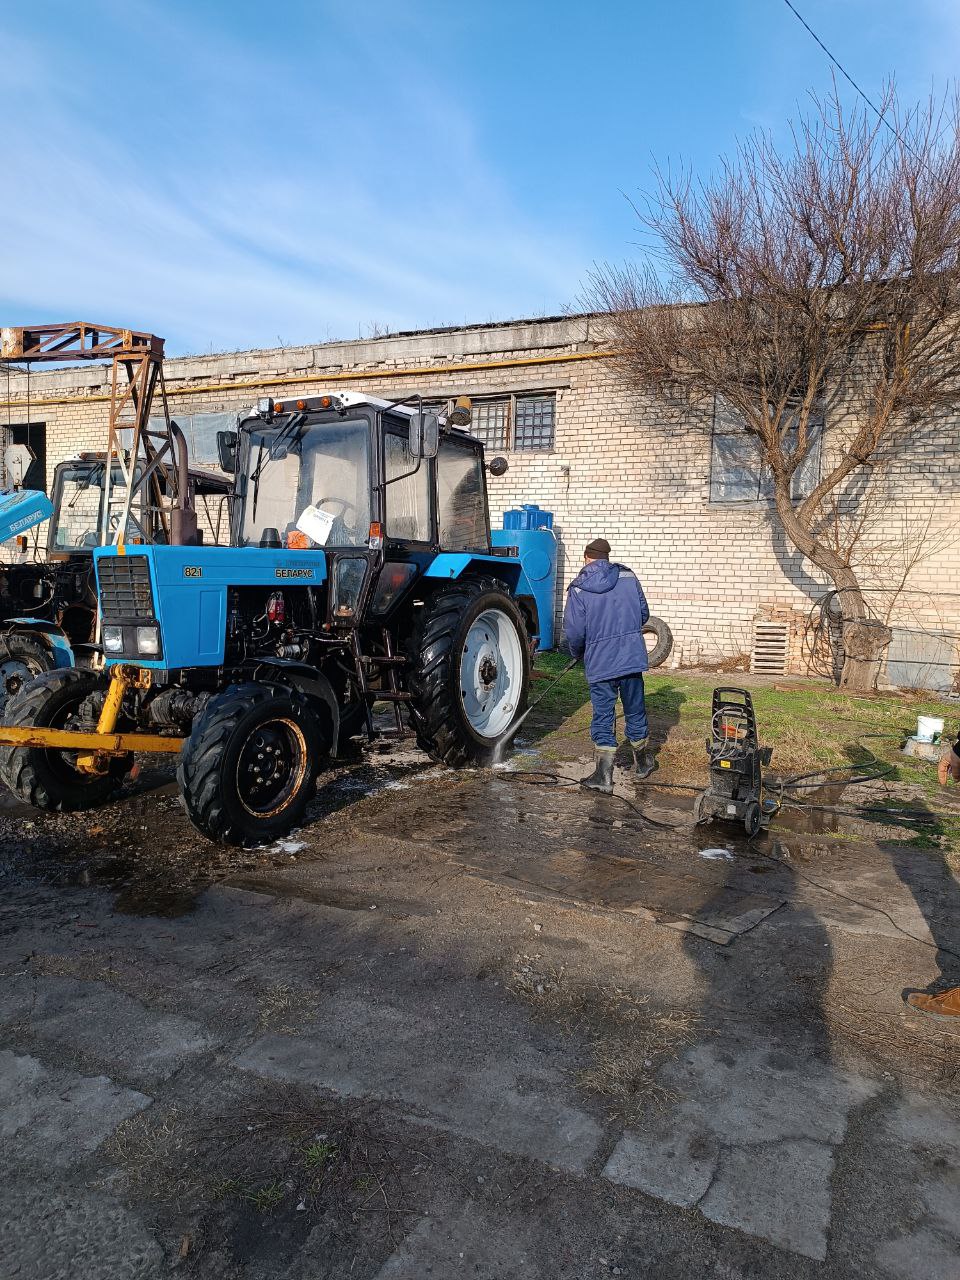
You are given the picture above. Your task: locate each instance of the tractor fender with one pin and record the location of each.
(310, 681)
(50, 635)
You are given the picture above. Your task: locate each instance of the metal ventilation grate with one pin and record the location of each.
(769, 656)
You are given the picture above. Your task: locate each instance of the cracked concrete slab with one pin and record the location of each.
(779, 1191)
(102, 1024)
(463, 1242)
(61, 1235)
(929, 1135)
(508, 1099)
(58, 1117)
(749, 1142)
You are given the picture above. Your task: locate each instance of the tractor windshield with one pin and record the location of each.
(78, 507)
(324, 466)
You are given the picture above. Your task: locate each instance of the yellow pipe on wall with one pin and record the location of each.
(352, 375)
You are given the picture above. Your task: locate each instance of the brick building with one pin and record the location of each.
(686, 507)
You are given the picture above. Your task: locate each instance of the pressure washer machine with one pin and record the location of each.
(735, 793)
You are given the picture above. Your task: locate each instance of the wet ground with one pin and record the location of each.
(476, 1024)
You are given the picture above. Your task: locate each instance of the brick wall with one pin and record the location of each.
(618, 469)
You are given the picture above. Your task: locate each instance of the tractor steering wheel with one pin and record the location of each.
(340, 525)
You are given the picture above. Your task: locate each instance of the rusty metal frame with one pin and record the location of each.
(77, 340)
(154, 457)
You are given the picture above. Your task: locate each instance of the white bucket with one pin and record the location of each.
(929, 729)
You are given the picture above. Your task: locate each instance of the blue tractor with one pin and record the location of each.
(48, 604)
(361, 572)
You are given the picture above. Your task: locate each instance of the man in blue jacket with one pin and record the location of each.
(603, 622)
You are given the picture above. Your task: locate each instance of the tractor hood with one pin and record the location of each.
(21, 509)
(184, 593)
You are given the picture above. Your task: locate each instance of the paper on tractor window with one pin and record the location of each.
(316, 524)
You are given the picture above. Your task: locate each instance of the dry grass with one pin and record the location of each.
(284, 1151)
(88, 968)
(627, 1040)
(285, 1009)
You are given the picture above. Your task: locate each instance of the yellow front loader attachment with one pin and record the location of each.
(97, 749)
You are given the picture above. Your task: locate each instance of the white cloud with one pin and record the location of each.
(258, 202)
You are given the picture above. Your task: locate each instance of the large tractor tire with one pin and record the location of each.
(22, 658)
(249, 767)
(50, 779)
(659, 640)
(471, 672)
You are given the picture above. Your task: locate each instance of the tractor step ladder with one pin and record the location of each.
(388, 661)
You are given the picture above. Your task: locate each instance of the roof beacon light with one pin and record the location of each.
(462, 412)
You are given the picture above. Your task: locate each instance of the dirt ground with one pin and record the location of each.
(478, 1024)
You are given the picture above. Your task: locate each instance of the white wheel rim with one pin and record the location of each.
(491, 674)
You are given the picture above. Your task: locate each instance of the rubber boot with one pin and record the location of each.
(644, 761)
(602, 777)
(946, 1004)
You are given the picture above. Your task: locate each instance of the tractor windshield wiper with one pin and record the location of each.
(84, 485)
(292, 432)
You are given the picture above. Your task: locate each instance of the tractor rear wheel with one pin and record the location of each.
(22, 657)
(249, 767)
(50, 779)
(471, 672)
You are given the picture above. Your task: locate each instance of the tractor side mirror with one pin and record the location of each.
(498, 466)
(424, 435)
(227, 450)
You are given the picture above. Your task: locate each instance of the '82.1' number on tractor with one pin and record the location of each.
(192, 571)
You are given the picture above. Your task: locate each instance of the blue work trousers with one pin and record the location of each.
(603, 695)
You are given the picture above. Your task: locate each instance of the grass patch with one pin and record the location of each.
(626, 1039)
(283, 1151)
(810, 724)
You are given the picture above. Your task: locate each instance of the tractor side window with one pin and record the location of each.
(407, 499)
(462, 506)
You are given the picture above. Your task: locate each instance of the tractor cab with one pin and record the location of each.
(80, 496)
(378, 488)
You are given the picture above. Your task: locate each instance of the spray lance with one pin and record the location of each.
(508, 737)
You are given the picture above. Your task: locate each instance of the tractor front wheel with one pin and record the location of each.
(50, 779)
(249, 767)
(471, 672)
(22, 657)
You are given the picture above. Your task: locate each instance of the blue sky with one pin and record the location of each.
(245, 174)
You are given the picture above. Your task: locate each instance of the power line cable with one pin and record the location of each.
(847, 76)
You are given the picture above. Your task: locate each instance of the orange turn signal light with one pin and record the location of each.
(298, 541)
(326, 402)
(278, 407)
(301, 404)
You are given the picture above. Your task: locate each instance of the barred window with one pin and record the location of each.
(519, 422)
(489, 422)
(533, 422)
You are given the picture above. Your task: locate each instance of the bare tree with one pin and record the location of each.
(820, 281)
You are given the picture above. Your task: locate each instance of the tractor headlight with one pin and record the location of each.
(148, 640)
(113, 639)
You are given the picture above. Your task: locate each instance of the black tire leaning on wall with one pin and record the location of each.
(217, 766)
(437, 710)
(663, 642)
(49, 779)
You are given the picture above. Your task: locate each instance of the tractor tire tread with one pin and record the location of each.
(432, 711)
(200, 759)
(22, 768)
